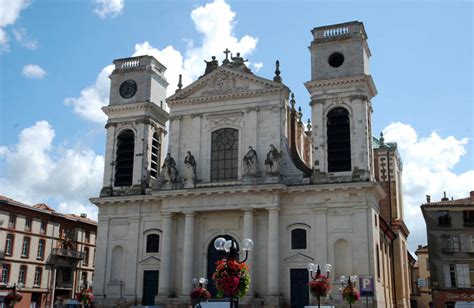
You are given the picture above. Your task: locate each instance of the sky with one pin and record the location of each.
(55, 58)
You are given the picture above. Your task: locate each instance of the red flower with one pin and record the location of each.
(320, 286)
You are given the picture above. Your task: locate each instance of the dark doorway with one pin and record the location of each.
(150, 287)
(299, 288)
(35, 300)
(212, 257)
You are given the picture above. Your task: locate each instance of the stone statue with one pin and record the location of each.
(211, 65)
(190, 167)
(250, 162)
(168, 170)
(272, 163)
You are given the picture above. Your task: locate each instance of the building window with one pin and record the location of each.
(28, 222)
(378, 260)
(43, 226)
(85, 262)
(375, 220)
(470, 243)
(40, 252)
(25, 248)
(87, 236)
(155, 156)
(457, 275)
(449, 305)
(22, 275)
(9, 244)
(12, 221)
(152, 243)
(339, 140)
(444, 219)
(93, 259)
(124, 158)
(5, 273)
(224, 154)
(298, 239)
(84, 279)
(428, 264)
(38, 274)
(468, 217)
(471, 274)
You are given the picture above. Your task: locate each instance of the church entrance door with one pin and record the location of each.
(299, 288)
(214, 255)
(150, 287)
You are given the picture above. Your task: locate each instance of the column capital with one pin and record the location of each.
(248, 210)
(272, 209)
(189, 213)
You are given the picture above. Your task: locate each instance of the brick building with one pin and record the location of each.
(35, 242)
(450, 229)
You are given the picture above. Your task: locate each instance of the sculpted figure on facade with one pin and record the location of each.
(250, 162)
(272, 163)
(190, 167)
(169, 170)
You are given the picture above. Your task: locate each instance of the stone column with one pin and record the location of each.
(165, 270)
(188, 253)
(248, 233)
(273, 253)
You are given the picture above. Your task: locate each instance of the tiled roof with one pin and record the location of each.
(455, 202)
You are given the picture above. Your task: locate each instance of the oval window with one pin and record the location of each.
(336, 59)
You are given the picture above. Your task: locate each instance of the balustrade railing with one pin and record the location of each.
(336, 31)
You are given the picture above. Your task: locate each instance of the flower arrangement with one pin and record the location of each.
(320, 286)
(200, 294)
(231, 278)
(85, 296)
(12, 298)
(350, 294)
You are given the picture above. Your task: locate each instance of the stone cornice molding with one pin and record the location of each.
(146, 109)
(314, 85)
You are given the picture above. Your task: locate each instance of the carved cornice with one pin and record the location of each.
(345, 81)
(358, 97)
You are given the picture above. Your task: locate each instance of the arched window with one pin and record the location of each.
(298, 239)
(224, 154)
(152, 243)
(339, 140)
(116, 268)
(155, 155)
(124, 159)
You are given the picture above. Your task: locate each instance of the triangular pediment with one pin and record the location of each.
(150, 261)
(298, 258)
(225, 81)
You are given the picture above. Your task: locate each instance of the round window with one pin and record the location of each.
(336, 59)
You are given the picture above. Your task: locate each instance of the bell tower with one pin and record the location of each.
(341, 90)
(135, 127)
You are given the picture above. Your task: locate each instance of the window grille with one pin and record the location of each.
(339, 140)
(224, 154)
(155, 156)
(124, 159)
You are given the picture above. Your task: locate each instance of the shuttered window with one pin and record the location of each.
(155, 156)
(339, 140)
(124, 159)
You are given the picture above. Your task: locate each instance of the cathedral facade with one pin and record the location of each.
(240, 164)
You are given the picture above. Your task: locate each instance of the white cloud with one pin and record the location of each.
(33, 71)
(215, 21)
(427, 170)
(36, 171)
(9, 13)
(93, 98)
(22, 38)
(107, 8)
(257, 66)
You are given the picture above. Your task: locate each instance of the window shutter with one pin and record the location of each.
(447, 276)
(470, 243)
(462, 273)
(463, 239)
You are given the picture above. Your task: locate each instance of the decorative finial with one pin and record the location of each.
(226, 60)
(308, 125)
(428, 198)
(292, 101)
(277, 77)
(180, 83)
(300, 114)
(382, 140)
(444, 198)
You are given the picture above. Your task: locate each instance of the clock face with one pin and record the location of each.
(128, 88)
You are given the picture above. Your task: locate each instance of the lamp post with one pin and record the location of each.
(15, 297)
(349, 281)
(315, 273)
(230, 251)
(200, 283)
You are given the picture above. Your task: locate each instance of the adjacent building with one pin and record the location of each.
(450, 228)
(421, 295)
(241, 164)
(37, 242)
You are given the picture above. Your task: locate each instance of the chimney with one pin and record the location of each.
(444, 198)
(83, 215)
(428, 198)
(420, 246)
(471, 194)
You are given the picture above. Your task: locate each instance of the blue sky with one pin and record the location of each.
(51, 85)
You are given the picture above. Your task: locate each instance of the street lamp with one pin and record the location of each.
(349, 282)
(320, 284)
(200, 293)
(230, 251)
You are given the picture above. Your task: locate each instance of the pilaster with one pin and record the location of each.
(165, 265)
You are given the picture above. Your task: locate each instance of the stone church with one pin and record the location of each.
(241, 163)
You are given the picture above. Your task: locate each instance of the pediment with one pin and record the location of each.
(150, 261)
(298, 258)
(225, 81)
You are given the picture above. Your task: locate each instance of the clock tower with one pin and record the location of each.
(135, 127)
(341, 90)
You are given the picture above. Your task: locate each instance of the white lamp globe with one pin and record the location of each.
(227, 246)
(219, 243)
(202, 280)
(247, 244)
(328, 267)
(342, 279)
(310, 267)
